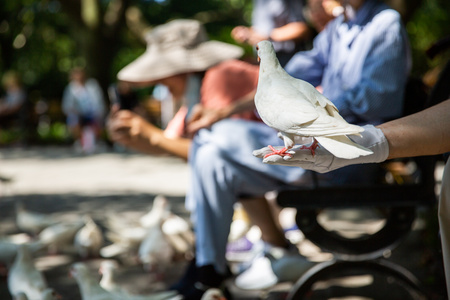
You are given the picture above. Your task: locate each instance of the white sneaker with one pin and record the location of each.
(278, 265)
(259, 276)
(288, 264)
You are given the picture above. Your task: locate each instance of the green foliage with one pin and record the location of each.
(44, 39)
(430, 23)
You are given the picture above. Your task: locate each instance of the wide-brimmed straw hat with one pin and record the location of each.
(177, 47)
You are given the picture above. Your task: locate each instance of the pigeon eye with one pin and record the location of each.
(257, 48)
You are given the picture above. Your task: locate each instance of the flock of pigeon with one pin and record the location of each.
(155, 239)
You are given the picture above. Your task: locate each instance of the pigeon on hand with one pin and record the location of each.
(295, 108)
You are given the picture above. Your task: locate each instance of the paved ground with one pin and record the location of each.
(59, 182)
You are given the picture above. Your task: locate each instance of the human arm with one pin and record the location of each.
(131, 130)
(291, 31)
(203, 117)
(424, 133)
(227, 90)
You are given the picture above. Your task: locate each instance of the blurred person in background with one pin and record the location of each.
(15, 95)
(280, 21)
(14, 105)
(317, 15)
(84, 107)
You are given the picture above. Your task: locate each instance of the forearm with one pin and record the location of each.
(423, 133)
(178, 146)
(291, 31)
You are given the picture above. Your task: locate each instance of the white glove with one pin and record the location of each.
(323, 161)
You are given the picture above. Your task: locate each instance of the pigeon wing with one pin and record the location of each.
(283, 108)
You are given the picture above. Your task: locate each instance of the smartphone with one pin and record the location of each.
(126, 100)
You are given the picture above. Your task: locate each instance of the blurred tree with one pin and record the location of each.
(44, 39)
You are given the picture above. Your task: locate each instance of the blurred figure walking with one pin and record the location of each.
(83, 104)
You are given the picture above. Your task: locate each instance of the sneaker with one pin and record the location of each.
(239, 250)
(259, 276)
(288, 264)
(277, 265)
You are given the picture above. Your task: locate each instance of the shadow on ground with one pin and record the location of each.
(418, 253)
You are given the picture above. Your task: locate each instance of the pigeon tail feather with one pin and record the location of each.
(343, 147)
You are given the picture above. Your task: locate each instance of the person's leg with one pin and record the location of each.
(223, 169)
(215, 186)
(262, 215)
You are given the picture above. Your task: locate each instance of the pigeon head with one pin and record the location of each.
(267, 55)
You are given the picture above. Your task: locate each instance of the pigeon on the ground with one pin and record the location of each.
(9, 249)
(213, 294)
(296, 109)
(155, 251)
(59, 237)
(24, 278)
(89, 285)
(108, 269)
(160, 210)
(89, 239)
(179, 234)
(31, 221)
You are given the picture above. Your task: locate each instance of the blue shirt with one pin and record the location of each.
(362, 64)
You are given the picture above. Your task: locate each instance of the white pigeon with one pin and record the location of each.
(59, 237)
(31, 221)
(9, 249)
(179, 234)
(125, 239)
(155, 251)
(160, 210)
(89, 239)
(108, 281)
(88, 284)
(213, 294)
(296, 109)
(24, 278)
(49, 294)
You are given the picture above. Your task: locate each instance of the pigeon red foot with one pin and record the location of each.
(281, 152)
(312, 147)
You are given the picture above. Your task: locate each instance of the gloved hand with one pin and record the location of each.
(323, 161)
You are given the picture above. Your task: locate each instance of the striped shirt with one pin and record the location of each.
(362, 64)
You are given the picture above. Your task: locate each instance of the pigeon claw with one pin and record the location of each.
(312, 147)
(281, 152)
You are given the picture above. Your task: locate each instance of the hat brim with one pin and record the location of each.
(155, 64)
